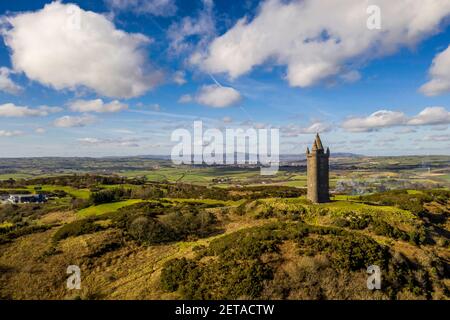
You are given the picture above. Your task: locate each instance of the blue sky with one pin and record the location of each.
(116, 77)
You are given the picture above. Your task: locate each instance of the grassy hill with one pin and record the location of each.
(172, 241)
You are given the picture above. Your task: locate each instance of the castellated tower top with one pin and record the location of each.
(317, 144)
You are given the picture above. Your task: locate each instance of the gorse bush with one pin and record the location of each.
(238, 272)
(350, 252)
(149, 223)
(383, 228)
(407, 201)
(16, 213)
(149, 230)
(353, 220)
(191, 223)
(77, 228)
(110, 195)
(75, 180)
(17, 232)
(234, 267)
(155, 222)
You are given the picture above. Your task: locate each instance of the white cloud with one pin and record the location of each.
(293, 130)
(227, 120)
(7, 133)
(73, 121)
(130, 142)
(317, 127)
(377, 120)
(431, 116)
(386, 119)
(362, 141)
(123, 131)
(179, 77)
(155, 107)
(89, 140)
(439, 74)
(162, 8)
(318, 39)
(405, 131)
(218, 96)
(11, 110)
(181, 33)
(6, 84)
(437, 138)
(351, 76)
(185, 98)
(65, 47)
(97, 105)
(40, 130)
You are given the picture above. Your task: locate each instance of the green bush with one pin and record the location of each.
(383, 228)
(110, 195)
(149, 230)
(77, 228)
(174, 272)
(238, 271)
(17, 232)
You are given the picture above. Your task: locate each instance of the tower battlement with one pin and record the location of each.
(318, 172)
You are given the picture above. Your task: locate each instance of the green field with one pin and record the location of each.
(107, 207)
(77, 193)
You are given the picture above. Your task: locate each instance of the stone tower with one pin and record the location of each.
(317, 171)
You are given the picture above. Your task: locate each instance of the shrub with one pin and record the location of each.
(77, 228)
(110, 195)
(174, 272)
(383, 228)
(17, 232)
(238, 271)
(149, 230)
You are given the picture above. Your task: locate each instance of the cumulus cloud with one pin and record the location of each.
(120, 142)
(7, 133)
(387, 118)
(185, 98)
(164, 8)
(317, 127)
(218, 96)
(74, 121)
(431, 116)
(293, 130)
(439, 74)
(6, 84)
(377, 120)
(65, 47)
(11, 110)
(315, 46)
(97, 105)
(179, 77)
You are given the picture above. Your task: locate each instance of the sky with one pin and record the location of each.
(117, 77)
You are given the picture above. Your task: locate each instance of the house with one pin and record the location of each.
(27, 198)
